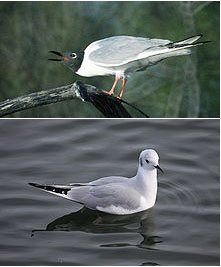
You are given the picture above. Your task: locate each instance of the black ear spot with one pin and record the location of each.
(141, 162)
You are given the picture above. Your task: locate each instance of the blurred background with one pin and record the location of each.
(186, 86)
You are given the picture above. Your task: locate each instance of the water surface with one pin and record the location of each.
(37, 228)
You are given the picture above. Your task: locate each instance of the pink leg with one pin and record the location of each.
(111, 92)
(122, 88)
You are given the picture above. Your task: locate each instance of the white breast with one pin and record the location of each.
(122, 211)
(89, 69)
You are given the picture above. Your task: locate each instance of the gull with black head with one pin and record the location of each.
(123, 55)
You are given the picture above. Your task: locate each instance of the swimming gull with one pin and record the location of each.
(115, 194)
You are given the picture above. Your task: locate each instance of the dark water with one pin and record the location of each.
(37, 228)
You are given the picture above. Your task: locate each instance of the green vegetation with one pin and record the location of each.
(186, 86)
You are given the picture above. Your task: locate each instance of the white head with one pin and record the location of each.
(149, 160)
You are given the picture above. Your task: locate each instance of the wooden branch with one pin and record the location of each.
(110, 106)
(59, 94)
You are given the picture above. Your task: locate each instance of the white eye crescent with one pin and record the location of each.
(73, 55)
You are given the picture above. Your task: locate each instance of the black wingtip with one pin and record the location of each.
(203, 42)
(51, 188)
(200, 35)
(34, 184)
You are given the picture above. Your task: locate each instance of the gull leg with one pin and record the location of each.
(111, 92)
(122, 88)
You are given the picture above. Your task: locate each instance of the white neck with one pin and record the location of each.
(146, 182)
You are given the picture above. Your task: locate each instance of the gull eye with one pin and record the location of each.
(147, 161)
(73, 55)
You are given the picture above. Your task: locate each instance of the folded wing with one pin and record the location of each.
(121, 50)
(118, 50)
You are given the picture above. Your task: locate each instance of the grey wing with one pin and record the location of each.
(98, 197)
(103, 181)
(109, 180)
(119, 50)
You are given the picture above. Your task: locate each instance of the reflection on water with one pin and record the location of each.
(89, 221)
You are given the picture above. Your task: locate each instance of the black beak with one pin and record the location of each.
(158, 167)
(56, 53)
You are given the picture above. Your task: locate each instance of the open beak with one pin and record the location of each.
(158, 167)
(57, 54)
